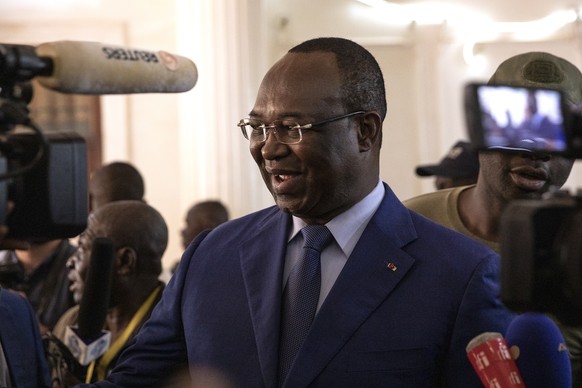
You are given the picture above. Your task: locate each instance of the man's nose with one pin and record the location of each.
(272, 148)
(543, 156)
(71, 261)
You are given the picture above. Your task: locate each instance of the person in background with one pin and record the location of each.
(202, 215)
(459, 167)
(115, 181)
(504, 176)
(385, 296)
(39, 272)
(22, 358)
(140, 236)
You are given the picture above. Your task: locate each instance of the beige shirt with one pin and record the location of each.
(442, 207)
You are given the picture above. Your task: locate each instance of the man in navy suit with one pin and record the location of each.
(22, 358)
(400, 297)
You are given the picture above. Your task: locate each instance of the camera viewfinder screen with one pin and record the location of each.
(517, 118)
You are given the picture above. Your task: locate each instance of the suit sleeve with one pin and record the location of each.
(22, 342)
(159, 349)
(43, 372)
(481, 310)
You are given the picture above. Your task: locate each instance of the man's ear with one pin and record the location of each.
(126, 261)
(370, 131)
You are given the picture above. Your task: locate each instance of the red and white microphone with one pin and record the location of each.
(490, 357)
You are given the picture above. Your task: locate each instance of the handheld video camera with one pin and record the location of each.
(43, 175)
(520, 118)
(541, 250)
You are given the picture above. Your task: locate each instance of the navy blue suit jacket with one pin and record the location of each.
(21, 342)
(409, 299)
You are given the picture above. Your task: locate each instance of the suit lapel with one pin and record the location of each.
(262, 258)
(373, 270)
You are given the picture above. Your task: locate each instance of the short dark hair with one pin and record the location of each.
(135, 224)
(212, 212)
(121, 181)
(361, 77)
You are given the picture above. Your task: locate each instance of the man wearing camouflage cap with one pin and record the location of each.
(508, 175)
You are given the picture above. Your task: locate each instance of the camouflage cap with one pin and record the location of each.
(541, 70)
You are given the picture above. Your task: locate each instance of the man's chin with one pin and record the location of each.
(530, 194)
(288, 204)
(284, 206)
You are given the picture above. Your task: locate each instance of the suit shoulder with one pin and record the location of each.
(252, 220)
(11, 298)
(19, 308)
(240, 229)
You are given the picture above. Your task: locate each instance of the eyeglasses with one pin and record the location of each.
(286, 132)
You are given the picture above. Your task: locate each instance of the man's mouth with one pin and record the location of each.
(283, 181)
(282, 178)
(74, 286)
(529, 178)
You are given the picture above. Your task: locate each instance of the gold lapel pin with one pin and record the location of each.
(391, 266)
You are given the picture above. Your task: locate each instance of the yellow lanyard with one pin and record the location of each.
(102, 363)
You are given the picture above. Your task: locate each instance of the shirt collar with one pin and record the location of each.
(347, 227)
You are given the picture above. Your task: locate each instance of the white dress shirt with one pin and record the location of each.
(346, 230)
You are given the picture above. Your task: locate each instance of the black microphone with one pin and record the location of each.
(98, 68)
(88, 340)
(97, 290)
